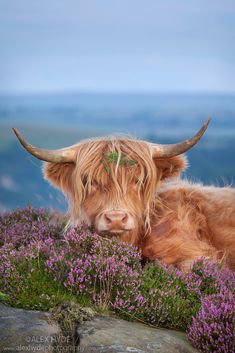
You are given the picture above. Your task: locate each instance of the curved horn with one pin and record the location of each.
(55, 156)
(167, 151)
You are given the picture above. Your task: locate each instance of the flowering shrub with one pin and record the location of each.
(169, 303)
(105, 269)
(209, 278)
(213, 328)
(26, 238)
(41, 266)
(201, 302)
(8, 272)
(23, 227)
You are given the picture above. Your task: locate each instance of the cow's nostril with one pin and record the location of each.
(107, 219)
(124, 218)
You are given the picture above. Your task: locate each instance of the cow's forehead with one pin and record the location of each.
(111, 166)
(110, 160)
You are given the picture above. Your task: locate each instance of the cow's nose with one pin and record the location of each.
(116, 217)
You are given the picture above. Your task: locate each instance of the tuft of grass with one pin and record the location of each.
(114, 157)
(35, 288)
(169, 303)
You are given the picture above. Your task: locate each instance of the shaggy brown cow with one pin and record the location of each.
(130, 189)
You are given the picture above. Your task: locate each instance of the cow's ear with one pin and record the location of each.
(171, 167)
(59, 175)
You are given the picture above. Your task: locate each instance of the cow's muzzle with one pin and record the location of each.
(115, 221)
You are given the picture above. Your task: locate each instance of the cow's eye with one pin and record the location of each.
(138, 185)
(94, 184)
(84, 180)
(137, 182)
(105, 189)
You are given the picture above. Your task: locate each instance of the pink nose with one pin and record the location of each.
(117, 218)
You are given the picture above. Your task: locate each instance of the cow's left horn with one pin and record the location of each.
(56, 156)
(167, 151)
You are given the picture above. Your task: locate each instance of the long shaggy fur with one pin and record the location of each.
(175, 221)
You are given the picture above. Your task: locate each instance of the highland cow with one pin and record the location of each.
(131, 189)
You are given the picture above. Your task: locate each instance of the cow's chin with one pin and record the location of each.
(113, 233)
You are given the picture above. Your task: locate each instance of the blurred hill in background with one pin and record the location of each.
(54, 121)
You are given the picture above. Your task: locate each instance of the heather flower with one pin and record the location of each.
(21, 227)
(7, 255)
(167, 303)
(92, 265)
(110, 274)
(213, 328)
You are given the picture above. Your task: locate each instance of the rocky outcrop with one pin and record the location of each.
(27, 331)
(35, 331)
(111, 335)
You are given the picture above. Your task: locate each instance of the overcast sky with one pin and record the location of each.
(117, 45)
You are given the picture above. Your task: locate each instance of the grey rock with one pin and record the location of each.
(35, 331)
(27, 331)
(111, 335)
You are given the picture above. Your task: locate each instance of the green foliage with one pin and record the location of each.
(34, 288)
(169, 303)
(114, 157)
(3, 297)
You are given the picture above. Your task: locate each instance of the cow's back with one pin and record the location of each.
(206, 213)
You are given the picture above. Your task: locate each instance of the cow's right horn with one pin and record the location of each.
(168, 151)
(55, 156)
